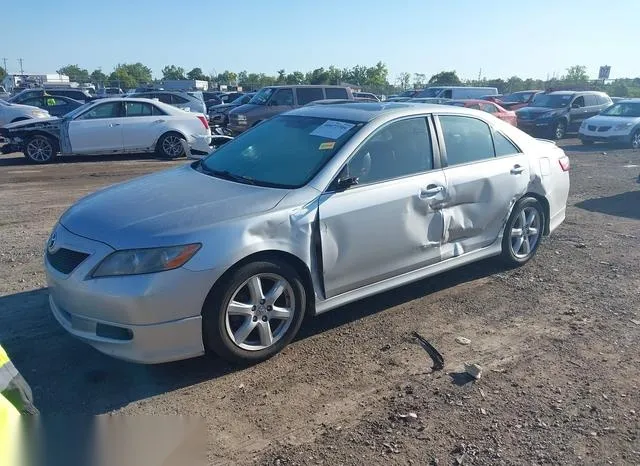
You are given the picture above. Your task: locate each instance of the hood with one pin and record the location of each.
(535, 111)
(33, 123)
(603, 120)
(169, 207)
(246, 108)
(222, 107)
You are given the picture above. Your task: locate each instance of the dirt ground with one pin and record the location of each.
(558, 341)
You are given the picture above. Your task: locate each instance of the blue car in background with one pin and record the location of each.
(56, 105)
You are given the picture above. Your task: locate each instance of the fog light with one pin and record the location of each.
(114, 333)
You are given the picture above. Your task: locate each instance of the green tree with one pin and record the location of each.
(3, 73)
(515, 84)
(419, 80)
(98, 77)
(576, 74)
(173, 72)
(128, 76)
(282, 76)
(318, 76)
(445, 78)
(228, 77)
(295, 78)
(334, 75)
(75, 73)
(197, 74)
(376, 76)
(403, 81)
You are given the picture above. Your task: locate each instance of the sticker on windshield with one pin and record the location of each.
(327, 145)
(332, 129)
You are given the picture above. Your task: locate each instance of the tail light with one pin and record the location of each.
(564, 163)
(204, 121)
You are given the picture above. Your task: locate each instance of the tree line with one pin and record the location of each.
(369, 78)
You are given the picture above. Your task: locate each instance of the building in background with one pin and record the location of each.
(13, 81)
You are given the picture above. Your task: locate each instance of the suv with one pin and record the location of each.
(555, 113)
(183, 100)
(272, 100)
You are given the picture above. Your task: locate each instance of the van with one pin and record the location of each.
(457, 92)
(273, 100)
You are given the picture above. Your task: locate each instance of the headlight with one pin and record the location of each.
(622, 126)
(139, 261)
(241, 118)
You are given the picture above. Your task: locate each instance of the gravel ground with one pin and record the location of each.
(557, 340)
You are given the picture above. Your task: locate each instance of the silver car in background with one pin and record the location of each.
(306, 212)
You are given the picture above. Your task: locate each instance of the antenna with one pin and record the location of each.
(20, 61)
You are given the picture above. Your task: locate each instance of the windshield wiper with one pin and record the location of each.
(225, 174)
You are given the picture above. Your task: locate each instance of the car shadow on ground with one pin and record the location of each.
(621, 205)
(593, 148)
(19, 159)
(69, 377)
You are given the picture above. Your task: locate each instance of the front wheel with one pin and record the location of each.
(255, 313)
(170, 146)
(40, 149)
(635, 140)
(523, 232)
(560, 130)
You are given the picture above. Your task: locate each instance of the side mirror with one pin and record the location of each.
(345, 183)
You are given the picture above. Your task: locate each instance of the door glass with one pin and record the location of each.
(336, 93)
(578, 102)
(282, 97)
(590, 100)
(399, 149)
(35, 102)
(308, 94)
(108, 110)
(490, 108)
(447, 94)
(136, 109)
(466, 139)
(164, 98)
(176, 99)
(503, 145)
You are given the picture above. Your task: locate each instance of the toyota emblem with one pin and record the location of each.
(51, 244)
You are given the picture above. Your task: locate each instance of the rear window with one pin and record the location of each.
(308, 94)
(336, 93)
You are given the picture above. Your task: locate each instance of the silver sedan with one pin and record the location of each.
(306, 212)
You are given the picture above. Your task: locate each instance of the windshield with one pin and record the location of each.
(407, 93)
(626, 109)
(285, 151)
(262, 96)
(243, 99)
(551, 101)
(80, 109)
(517, 97)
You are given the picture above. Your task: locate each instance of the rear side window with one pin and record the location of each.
(489, 108)
(603, 100)
(336, 93)
(466, 139)
(137, 109)
(308, 94)
(164, 98)
(177, 99)
(591, 100)
(503, 146)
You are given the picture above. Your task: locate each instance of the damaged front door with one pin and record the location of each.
(485, 175)
(389, 222)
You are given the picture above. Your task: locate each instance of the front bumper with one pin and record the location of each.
(237, 128)
(148, 318)
(613, 137)
(536, 126)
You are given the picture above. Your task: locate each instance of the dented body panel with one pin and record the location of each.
(353, 242)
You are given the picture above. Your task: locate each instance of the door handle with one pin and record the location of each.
(431, 190)
(517, 170)
(113, 125)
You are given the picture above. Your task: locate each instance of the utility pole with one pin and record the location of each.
(21, 70)
(480, 75)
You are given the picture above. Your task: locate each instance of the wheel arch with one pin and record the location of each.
(545, 207)
(271, 254)
(169, 131)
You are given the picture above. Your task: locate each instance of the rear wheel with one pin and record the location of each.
(170, 146)
(255, 313)
(523, 232)
(40, 149)
(635, 140)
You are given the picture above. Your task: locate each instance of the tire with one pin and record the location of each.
(169, 146)
(635, 139)
(517, 249)
(40, 149)
(560, 130)
(240, 333)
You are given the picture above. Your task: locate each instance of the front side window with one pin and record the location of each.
(108, 110)
(399, 149)
(578, 102)
(285, 151)
(308, 94)
(466, 139)
(282, 97)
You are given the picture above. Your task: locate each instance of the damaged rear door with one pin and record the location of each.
(485, 175)
(389, 222)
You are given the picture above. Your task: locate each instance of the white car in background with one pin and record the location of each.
(10, 113)
(111, 126)
(619, 123)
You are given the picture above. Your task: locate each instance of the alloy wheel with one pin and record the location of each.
(635, 140)
(525, 232)
(260, 312)
(560, 130)
(172, 146)
(39, 149)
